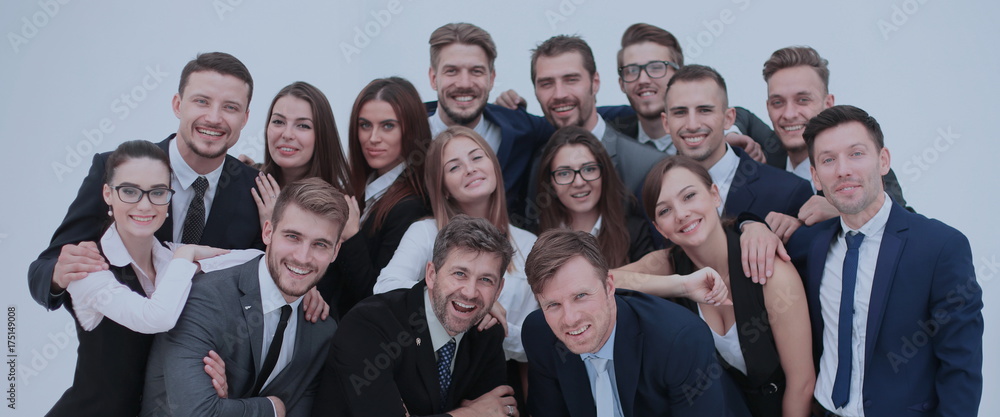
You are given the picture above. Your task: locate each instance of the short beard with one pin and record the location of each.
(206, 155)
(460, 119)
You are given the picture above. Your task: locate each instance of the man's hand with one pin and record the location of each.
(706, 286)
(74, 263)
(497, 314)
(216, 369)
(758, 247)
(279, 406)
(511, 100)
(499, 402)
(752, 148)
(817, 209)
(314, 307)
(783, 225)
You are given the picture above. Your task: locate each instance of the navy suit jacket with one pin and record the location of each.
(232, 223)
(924, 342)
(664, 361)
(761, 189)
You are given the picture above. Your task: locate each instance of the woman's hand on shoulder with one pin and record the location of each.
(265, 195)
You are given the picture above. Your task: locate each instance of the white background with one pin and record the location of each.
(929, 68)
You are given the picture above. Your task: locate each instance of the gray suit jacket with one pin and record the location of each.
(632, 159)
(223, 313)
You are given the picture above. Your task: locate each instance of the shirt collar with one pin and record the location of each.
(439, 336)
(438, 125)
(114, 249)
(599, 129)
(726, 166)
(875, 224)
(270, 296)
(184, 173)
(608, 350)
(597, 226)
(664, 144)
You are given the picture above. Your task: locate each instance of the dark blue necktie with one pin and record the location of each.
(445, 354)
(842, 385)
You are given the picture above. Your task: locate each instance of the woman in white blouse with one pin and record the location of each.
(463, 177)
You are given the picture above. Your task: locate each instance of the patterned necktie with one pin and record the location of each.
(273, 351)
(845, 325)
(604, 396)
(194, 222)
(445, 354)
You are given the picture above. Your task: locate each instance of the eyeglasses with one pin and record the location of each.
(654, 69)
(565, 176)
(131, 195)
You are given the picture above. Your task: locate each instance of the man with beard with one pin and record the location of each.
(462, 73)
(245, 315)
(893, 298)
(212, 205)
(418, 351)
(566, 84)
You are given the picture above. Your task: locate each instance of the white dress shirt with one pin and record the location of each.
(416, 248)
(829, 300)
(605, 352)
(489, 131)
(271, 302)
(100, 294)
(377, 186)
(599, 129)
(181, 181)
(439, 336)
(723, 172)
(663, 144)
(801, 171)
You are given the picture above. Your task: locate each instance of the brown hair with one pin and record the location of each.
(561, 44)
(556, 247)
(692, 73)
(838, 115)
(445, 209)
(472, 234)
(613, 237)
(328, 162)
(416, 138)
(654, 180)
(794, 56)
(135, 149)
(221, 63)
(642, 32)
(461, 33)
(315, 196)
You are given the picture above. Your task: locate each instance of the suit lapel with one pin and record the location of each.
(818, 250)
(575, 383)
(253, 312)
(893, 241)
(628, 356)
(426, 360)
(222, 204)
(740, 196)
(506, 137)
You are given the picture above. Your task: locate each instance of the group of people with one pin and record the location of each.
(673, 256)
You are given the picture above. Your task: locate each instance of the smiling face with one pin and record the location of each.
(381, 136)
(300, 247)
(578, 307)
(646, 94)
(463, 80)
(848, 168)
(686, 210)
(213, 108)
(141, 219)
(697, 117)
(795, 95)
(566, 91)
(580, 197)
(468, 173)
(291, 136)
(464, 288)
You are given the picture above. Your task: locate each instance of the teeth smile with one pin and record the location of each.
(694, 139)
(564, 108)
(580, 195)
(690, 227)
(297, 271)
(794, 128)
(579, 331)
(286, 149)
(647, 93)
(142, 219)
(463, 98)
(209, 132)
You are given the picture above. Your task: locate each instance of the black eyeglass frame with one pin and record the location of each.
(644, 67)
(144, 193)
(600, 169)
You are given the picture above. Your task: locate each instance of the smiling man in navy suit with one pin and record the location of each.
(893, 298)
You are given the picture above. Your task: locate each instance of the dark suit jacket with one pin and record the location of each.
(522, 137)
(924, 343)
(664, 363)
(232, 223)
(216, 317)
(351, 277)
(632, 160)
(761, 189)
(382, 362)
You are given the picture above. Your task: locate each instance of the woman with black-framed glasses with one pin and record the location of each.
(580, 189)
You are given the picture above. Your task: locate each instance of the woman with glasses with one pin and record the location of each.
(580, 190)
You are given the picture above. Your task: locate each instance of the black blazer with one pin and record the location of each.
(382, 362)
(110, 365)
(761, 189)
(232, 223)
(351, 277)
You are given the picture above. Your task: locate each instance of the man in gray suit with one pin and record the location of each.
(566, 84)
(244, 314)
